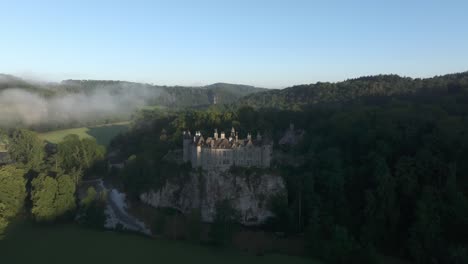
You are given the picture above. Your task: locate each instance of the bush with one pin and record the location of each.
(340, 248)
(194, 225)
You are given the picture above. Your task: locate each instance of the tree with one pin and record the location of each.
(425, 234)
(27, 148)
(381, 210)
(74, 155)
(44, 190)
(91, 196)
(92, 209)
(224, 221)
(52, 197)
(65, 198)
(12, 193)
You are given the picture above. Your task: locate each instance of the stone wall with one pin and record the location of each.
(223, 159)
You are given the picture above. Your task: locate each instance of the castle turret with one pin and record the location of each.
(215, 136)
(223, 135)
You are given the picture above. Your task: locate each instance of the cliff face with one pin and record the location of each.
(249, 194)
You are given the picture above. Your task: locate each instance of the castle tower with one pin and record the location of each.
(186, 143)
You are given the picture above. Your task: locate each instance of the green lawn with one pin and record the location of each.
(71, 244)
(103, 134)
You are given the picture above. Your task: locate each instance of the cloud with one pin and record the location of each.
(20, 107)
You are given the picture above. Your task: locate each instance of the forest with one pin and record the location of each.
(40, 182)
(385, 174)
(297, 97)
(381, 168)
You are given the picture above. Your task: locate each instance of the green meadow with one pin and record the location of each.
(103, 133)
(71, 244)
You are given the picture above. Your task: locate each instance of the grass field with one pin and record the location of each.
(103, 134)
(72, 244)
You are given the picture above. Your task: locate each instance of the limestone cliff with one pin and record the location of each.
(248, 193)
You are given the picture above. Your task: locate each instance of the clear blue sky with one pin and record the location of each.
(265, 43)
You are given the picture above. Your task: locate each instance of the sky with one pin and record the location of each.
(265, 43)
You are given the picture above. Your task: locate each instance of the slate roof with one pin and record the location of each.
(223, 142)
(226, 143)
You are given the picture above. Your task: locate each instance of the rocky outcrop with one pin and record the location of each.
(248, 193)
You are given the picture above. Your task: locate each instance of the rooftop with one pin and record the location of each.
(223, 142)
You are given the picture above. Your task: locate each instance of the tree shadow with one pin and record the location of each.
(105, 134)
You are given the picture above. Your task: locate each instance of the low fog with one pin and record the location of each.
(21, 107)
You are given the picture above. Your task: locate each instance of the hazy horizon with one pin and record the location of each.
(38, 80)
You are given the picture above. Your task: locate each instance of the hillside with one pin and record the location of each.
(221, 93)
(168, 96)
(9, 81)
(299, 96)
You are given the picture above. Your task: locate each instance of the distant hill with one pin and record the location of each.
(9, 81)
(218, 93)
(299, 96)
(238, 89)
(167, 96)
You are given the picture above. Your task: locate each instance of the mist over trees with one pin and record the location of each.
(71, 103)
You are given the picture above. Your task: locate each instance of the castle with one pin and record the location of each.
(220, 152)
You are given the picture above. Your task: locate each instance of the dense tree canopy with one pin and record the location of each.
(53, 175)
(381, 167)
(74, 155)
(52, 197)
(298, 97)
(385, 173)
(27, 148)
(12, 193)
